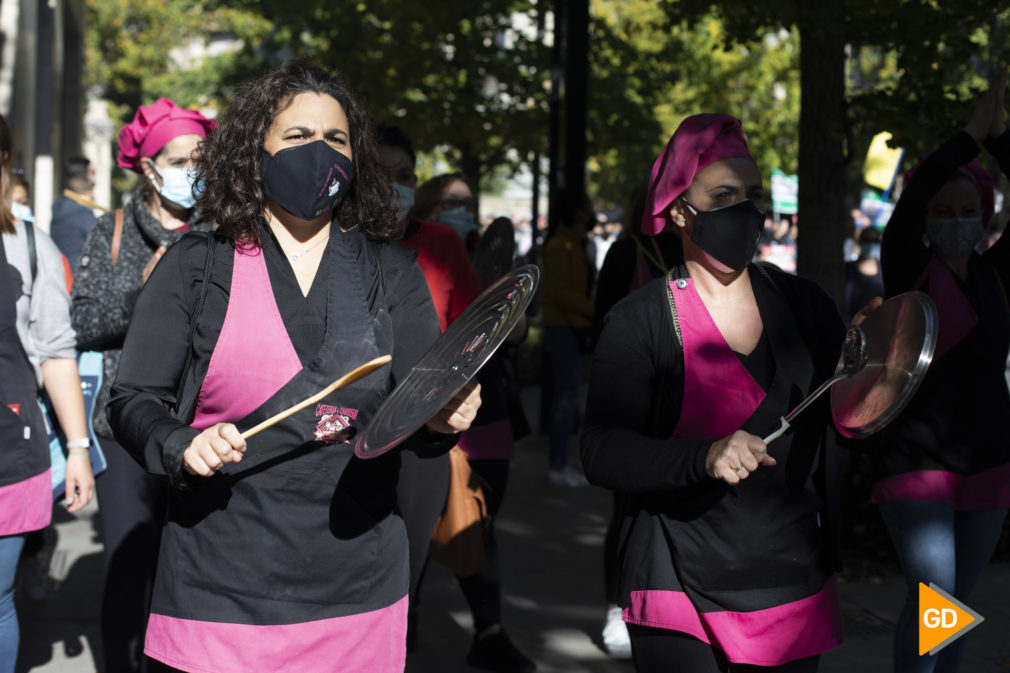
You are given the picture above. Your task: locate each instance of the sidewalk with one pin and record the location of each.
(551, 543)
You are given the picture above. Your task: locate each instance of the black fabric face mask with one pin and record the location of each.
(308, 180)
(729, 234)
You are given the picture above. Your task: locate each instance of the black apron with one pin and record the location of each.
(24, 445)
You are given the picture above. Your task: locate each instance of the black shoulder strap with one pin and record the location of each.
(207, 267)
(33, 256)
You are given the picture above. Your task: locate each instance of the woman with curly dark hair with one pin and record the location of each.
(286, 554)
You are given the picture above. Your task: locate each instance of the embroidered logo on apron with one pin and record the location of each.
(334, 424)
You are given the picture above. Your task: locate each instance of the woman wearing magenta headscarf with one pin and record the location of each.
(943, 466)
(118, 256)
(725, 551)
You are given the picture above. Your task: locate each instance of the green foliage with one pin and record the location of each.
(140, 50)
(651, 69)
(467, 76)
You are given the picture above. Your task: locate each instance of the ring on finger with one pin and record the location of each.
(738, 468)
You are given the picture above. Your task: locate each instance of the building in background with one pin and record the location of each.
(43, 100)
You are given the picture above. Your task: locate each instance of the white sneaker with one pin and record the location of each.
(615, 635)
(567, 476)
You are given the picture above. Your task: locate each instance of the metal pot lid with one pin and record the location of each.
(895, 347)
(455, 357)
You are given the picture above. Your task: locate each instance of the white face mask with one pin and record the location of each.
(404, 200)
(22, 212)
(954, 237)
(176, 185)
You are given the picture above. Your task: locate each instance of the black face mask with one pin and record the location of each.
(308, 180)
(729, 234)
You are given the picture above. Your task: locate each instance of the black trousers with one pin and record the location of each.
(131, 507)
(483, 590)
(665, 651)
(421, 494)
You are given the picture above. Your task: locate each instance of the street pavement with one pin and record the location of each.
(551, 542)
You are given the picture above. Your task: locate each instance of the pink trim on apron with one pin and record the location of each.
(769, 637)
(248, 366)
(985, 490)
(955, 315)
(490, 441)
(712, 372)
(720, 396)
(26, 505)
(359, 642)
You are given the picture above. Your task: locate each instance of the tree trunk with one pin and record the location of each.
(821, 217)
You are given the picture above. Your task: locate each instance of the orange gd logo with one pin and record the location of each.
(942, 619)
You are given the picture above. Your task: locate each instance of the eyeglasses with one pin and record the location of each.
(449, 204)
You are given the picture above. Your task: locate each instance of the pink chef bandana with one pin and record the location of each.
(699, 141)
(153, 126)
(979, 175)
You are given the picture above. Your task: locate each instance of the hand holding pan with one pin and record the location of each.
(345, 380)
(883, 361)
(455, 357)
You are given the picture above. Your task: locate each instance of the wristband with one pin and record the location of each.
(79, 443)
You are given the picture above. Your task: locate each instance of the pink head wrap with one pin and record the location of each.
(974, 171)
(699, 141)
(153, 126)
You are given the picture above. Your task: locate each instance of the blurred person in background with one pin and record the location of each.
(119, 255)
(72, 216)
(566, 293)
(863, 277)
(488, 446)
(424, 481)
(36, 352)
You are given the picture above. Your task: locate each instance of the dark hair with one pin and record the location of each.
(18, 179)
(75, 174)
(387, 135)
(492, 258)
(869, 235)
(427, 196)
(6, 160)
(228, 161)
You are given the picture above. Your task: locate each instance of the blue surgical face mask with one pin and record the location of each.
(22, 212)
(459, 219)
(404, 200)
(176, 185)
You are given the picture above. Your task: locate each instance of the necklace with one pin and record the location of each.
(297, 256)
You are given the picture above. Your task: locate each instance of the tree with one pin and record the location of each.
(467, 76)
(140, 50)
(651, 71)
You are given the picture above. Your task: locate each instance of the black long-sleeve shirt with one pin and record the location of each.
(157, 342)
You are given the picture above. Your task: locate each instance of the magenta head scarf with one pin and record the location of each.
(153, 126)
(974, 171)
(699, 141)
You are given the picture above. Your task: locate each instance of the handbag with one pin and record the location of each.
(458, 539)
